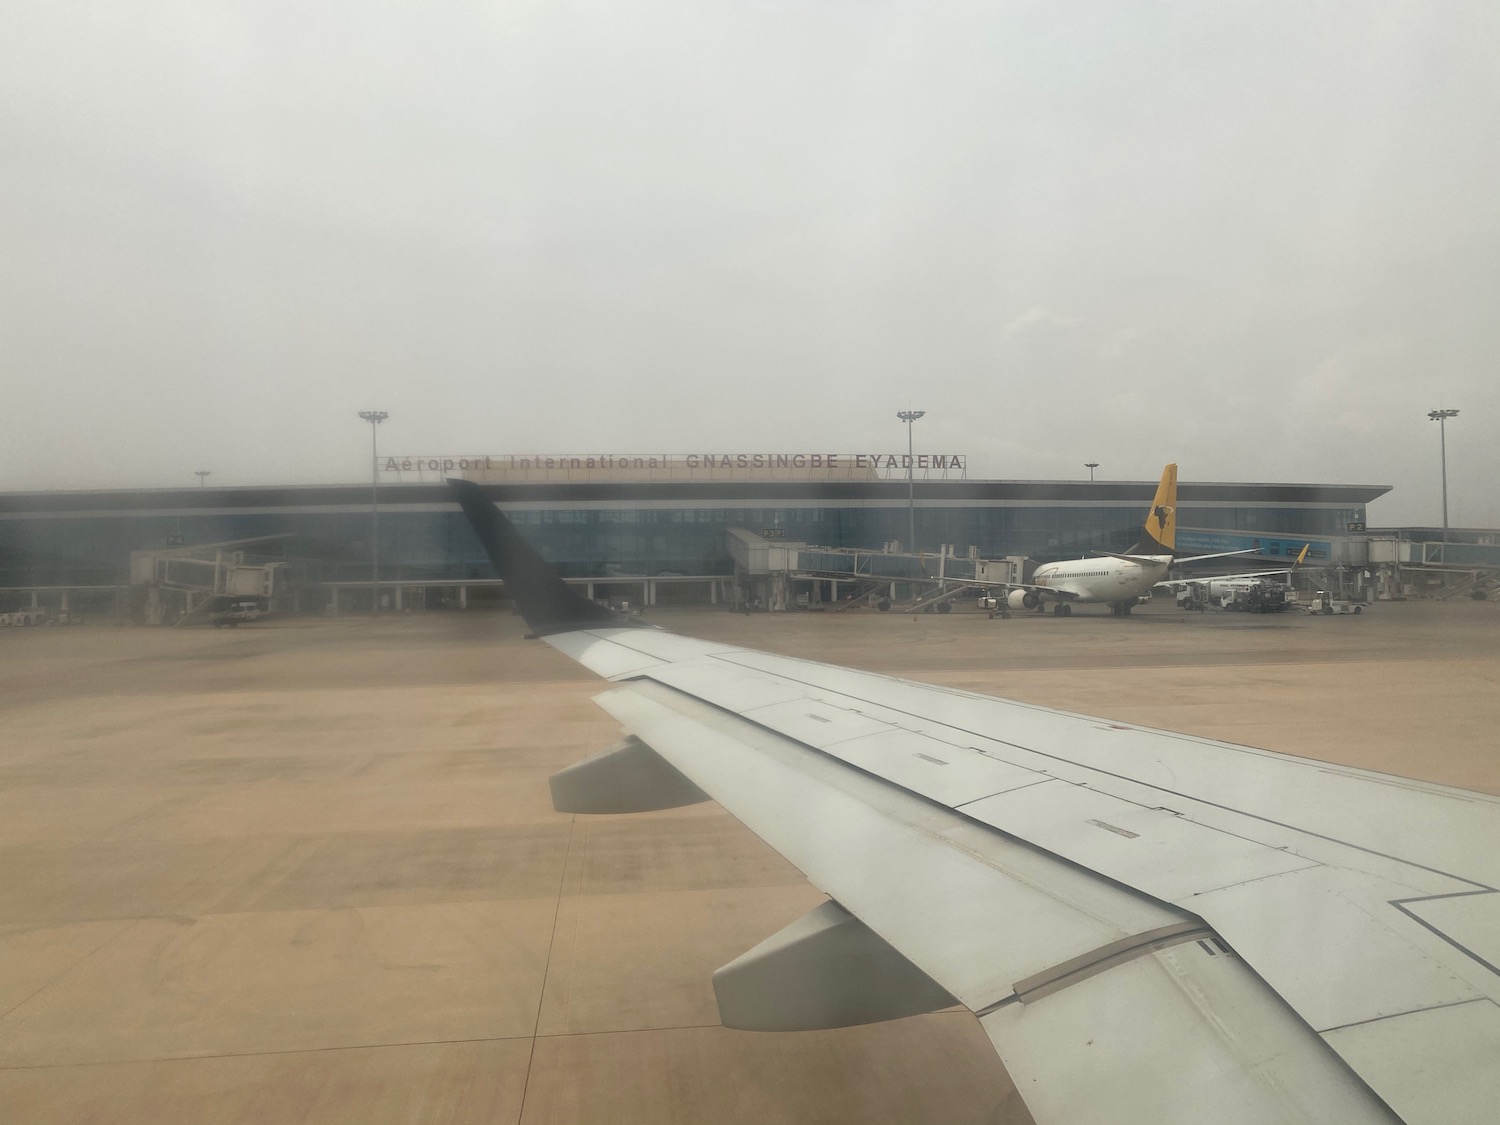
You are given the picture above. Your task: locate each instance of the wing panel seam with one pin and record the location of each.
(1400, 904)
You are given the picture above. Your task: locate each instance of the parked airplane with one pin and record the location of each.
(1118, 579)
(1150, 927)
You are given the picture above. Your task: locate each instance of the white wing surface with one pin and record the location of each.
(1151, 927)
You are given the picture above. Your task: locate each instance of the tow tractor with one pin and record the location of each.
(1325, 603)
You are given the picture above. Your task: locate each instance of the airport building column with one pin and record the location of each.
(589, 588)
(333, 599)
(400, 592)
(780, 593)
(463, 597)
(650, 598)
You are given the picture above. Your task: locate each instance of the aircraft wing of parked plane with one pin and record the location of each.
(1183, 580)
(1215, 555)
(1150, 927)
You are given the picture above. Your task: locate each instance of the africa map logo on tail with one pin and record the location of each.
(1159, 536)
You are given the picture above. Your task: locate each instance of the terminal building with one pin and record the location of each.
(660, 524)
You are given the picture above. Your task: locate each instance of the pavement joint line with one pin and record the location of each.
(399, 1043)
(7, 1028)
(134, 918)
(634, 1030)
(541, 995)
(583, 852)
(46, 923)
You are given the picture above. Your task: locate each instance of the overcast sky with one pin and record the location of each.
(1260, 239)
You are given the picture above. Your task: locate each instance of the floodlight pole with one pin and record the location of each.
(1441, 418)
(1091, 466)
(374, 417)
(910, 416)
(202, 475)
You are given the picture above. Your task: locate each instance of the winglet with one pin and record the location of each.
(1159, 535)
(547, 603)
(1302, 554)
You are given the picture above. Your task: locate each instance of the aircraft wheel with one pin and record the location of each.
(1359, 609)
(945, 607)
(1066, 610)
(883, 604)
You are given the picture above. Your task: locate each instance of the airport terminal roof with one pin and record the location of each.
(73, 502)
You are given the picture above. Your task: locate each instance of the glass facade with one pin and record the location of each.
(80, 539)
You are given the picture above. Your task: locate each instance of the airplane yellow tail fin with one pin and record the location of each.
(1159, 537)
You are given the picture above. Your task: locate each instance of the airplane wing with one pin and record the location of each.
(1175, 559)
(1216, 555)
(1150, 927)
(1175, 583)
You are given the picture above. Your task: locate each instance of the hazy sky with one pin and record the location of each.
(1261, 239)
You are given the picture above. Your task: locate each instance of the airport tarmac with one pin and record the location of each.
(307, 871)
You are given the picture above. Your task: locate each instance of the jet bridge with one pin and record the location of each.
(775, 574)
(182, 583)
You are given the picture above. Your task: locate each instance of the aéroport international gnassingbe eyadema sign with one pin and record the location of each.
(507, 464)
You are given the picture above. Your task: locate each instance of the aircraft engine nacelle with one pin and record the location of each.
(1023, 599)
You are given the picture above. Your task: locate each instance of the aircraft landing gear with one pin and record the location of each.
(1119, 609)
(1062, 609)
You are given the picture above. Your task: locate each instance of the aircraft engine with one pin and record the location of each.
(1023, 599)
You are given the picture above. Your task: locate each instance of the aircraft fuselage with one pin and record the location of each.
(1100, 580)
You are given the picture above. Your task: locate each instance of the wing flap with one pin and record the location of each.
(1220, 1049)
(1348, 955)
(1457, 1081)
